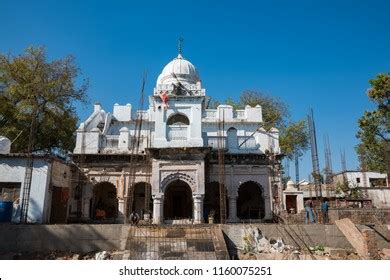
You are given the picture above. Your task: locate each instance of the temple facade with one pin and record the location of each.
(170, 162)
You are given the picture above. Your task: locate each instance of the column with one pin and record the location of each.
(121, 208)
(198, 208)
(267, 206)
(233, 209)
(158, 209)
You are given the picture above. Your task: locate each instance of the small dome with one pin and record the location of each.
(179, 69)
(5, 145)
(291, 186)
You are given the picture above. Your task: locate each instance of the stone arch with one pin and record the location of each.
(178, 119)
(250, 202)
(178, 176)
(178, 200)
(105, 201)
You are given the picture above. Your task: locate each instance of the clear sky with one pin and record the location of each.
(317, 54)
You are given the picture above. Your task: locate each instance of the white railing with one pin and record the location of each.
(210, 114)
(240, 114)
(110, 142)
(140, 113)
(177, 133)
(250, 143)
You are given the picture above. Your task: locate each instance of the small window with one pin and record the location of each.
(357, 180)
(178, 119)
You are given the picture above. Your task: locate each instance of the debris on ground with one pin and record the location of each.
(257, 246)
(255, 242)
(104, 255)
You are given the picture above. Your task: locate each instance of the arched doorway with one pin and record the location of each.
(142, 202)
(105, 201)
(250, 202)
(178, 202)
(211, 202)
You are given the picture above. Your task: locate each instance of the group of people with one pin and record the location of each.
(310, 214)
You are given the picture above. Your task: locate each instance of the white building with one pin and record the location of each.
(177, 168)
(52, 191)
(374, 185)
(362, 179)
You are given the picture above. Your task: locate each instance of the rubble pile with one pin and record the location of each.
(257, 246)
(254, 242)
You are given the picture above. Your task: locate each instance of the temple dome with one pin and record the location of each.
(179, 69)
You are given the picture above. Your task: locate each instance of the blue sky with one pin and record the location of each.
(317, 54)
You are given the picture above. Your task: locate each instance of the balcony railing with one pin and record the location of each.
(177, 133)
(240, 114)
(110, 142)
(210, 114)
(140, 114)
(250, 143)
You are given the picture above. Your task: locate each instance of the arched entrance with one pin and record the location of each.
(142, 202)
(105, 202)
(250, 202)
(211, 202)
(178, 202)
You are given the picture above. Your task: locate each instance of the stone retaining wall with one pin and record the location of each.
(87, 238)
(72, 238)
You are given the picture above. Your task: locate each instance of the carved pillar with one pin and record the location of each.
(198, 208)
(233, 209)
(158, 209)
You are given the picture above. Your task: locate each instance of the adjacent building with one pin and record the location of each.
(53, 191)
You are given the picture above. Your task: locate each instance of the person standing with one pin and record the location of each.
(309, 215)
(324, 211)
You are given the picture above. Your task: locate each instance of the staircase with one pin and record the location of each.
(176, 243)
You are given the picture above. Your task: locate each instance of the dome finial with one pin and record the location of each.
(180, 47)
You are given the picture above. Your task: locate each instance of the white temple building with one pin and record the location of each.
(167, 161)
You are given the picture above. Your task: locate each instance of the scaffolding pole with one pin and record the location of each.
(135, 143)
(221, 167)
(314, 154)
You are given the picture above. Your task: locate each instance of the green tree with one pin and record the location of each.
(374, 126)
(37, 99)
(294, 139)
(275, 111)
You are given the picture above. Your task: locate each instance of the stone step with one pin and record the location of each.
(176, 242)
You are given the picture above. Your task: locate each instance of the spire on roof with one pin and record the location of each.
(180, 48)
